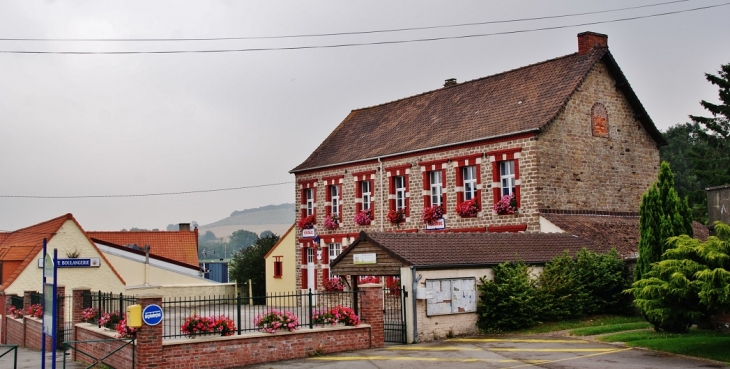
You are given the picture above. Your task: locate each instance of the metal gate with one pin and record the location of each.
(394, 319)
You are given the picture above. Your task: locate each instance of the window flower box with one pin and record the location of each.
(307, 222)
(432, 214)
(468, 208)
(506, 205)
(363, 217)
(331, 222)
(396, 216)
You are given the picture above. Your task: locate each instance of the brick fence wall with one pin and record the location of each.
(25, 332)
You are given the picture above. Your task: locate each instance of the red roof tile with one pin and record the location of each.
(470, 249)
(513, 102)
(180, 246)
(615, 231)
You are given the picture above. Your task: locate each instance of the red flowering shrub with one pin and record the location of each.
(331, 222)
(334, 285)
(196, 325)
(15, 313)
(344, 314)
(124, 331)
(369, 279)
(273, 320)
(35, 310)
(88, 314)
(363, 217)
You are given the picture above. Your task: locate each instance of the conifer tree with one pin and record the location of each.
(661, 215)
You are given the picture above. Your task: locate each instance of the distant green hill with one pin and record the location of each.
(269, 214)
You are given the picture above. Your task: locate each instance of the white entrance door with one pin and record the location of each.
(310, 268)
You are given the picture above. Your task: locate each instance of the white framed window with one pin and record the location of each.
(400, 192)
(335, 199)
(507, 176)
(436, 187)
(469, 175)
(310, 255)
(335, 249)
(366, 194)
(309, 194)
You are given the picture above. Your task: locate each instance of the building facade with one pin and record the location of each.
(491, 154)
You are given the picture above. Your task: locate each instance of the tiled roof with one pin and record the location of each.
(25, 243)
(464, 249)
(516, 101)
(614, 231)
(180, 246)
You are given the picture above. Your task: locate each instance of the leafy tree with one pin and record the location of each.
(716, 167)
(661, 215)
(266, 233)
(248, 263)
(207, 237)
(241, 239)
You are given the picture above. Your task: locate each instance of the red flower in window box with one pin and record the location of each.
(307, 222)
(363, 217)
(396, 216)
(468, 208)
(432, 214)
(331, 222)
(506, 205)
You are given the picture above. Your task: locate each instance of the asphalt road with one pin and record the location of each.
(500, 352)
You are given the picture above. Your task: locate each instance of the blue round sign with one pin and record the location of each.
(152, 315)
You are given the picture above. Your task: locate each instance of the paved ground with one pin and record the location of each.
(500, 352)
(31, 359)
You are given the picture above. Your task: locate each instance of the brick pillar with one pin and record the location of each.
(26, 299)
(60, 315)
(148, 347)
(7, 301)
(78, 303)
(372, 312)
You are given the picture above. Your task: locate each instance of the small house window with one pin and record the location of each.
(335, 249)
(470, 182)
(599, 120)
(278, 266)
(366, 194)
(507, 177)
(400, 192)
(335, 199)
(309, 195)
(436, 187)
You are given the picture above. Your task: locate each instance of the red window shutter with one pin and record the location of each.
(304, 255)
(459, 183)
(495, 179)
(517, 187)
(325, 255)
(427, 189)
(325, 275)
(479, 186)
(372, 203)
(328, 198)
(443, 190)
(315, 280)
(339, 207)
(408, 199)
(305, 282)
(391, 191)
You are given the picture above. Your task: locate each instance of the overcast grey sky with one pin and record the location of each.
(74, 125)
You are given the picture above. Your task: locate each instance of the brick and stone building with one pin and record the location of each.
(563, 136)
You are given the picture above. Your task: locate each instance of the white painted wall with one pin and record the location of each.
(547, 226)
(134, 271)
(68, 239)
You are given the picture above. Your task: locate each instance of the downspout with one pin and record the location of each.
(382, 206)
(414, 292)
(146, 263)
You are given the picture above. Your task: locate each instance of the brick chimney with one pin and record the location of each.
(184, 227)
(450, 82)
(588, 40)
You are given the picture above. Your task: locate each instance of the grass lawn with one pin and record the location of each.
(587, 321)
(698, 343)
(609, 328)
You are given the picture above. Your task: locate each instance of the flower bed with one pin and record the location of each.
(273, 320)
(331, 222)
(198, 325)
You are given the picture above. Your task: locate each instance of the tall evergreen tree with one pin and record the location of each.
(661, 215)
(716, 167)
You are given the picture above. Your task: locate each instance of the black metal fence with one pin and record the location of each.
(36, 298)
(243, 311)
(394, 314)
(108, 303)
(16, 302)
(66, 331)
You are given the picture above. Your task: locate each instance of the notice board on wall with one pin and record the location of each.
(450, 296)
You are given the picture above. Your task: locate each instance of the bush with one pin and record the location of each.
(195, 325)
(273, 320)
(509, 301)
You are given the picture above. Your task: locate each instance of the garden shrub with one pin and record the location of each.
(509, 301)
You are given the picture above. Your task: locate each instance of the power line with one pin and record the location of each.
(342, 33)
(144, 195)
(359, 43)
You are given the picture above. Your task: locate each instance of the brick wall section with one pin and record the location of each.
(60, 315)
(15, 331)
(149, 352)
(33, 332)
(372, 312)
(6, 299)
(121, 359)
(26, 299)
(78, 304)
(579, 171)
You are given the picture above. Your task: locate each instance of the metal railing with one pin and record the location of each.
(6, 349)
(73, 346)
(109, 303)
(16, 302)
(237, 308)
(36, 298)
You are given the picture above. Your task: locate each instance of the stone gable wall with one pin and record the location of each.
(576, 170)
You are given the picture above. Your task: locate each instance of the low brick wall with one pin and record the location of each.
(26, 332)
(15, 331)
(90, 332)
